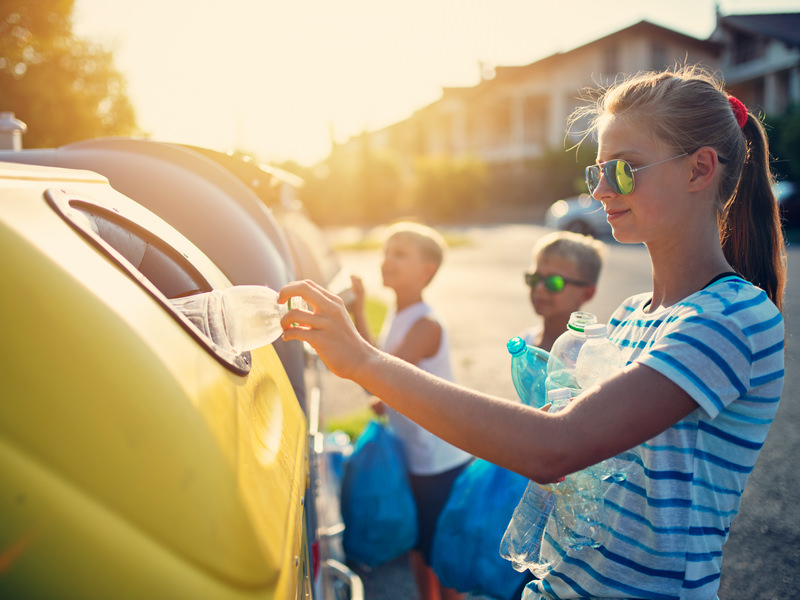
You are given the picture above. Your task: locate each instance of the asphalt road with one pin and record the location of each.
(481, 293)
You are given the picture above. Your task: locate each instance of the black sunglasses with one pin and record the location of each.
(553, 283)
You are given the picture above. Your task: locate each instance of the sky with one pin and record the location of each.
(282, 78)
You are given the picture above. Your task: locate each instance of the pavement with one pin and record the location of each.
(481, 293)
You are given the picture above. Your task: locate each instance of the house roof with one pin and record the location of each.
(781, 26)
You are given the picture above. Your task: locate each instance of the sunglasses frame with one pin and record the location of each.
(533, 279)
(608, 169)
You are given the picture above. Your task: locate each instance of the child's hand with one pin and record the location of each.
(378, 407)
(356, 304)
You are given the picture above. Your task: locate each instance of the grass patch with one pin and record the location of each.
(375, 311)
(352, 424)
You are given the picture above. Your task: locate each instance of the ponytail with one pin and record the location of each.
(749, 224)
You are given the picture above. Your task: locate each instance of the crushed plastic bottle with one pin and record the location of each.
(579, 511)
(522, 541)
(528, 371)
(242, 317)
(564, 353)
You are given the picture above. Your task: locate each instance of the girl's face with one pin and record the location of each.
(658, 207)
(549, 304)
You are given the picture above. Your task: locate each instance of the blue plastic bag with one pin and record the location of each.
(466, 544)
(378, 508)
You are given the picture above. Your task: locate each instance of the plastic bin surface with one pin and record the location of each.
(133, 462)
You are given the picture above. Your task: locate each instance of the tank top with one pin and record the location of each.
(425, 453)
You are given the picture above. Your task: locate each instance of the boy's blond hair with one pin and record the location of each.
(586, 252)
(429, 241)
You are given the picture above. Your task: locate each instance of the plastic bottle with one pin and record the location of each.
(564, 353)
(522, 541)
(242, 317)
(558, 398)
(528, 371)
(599, 357)
(578, 511)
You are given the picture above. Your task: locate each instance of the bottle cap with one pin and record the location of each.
(596, 330)
(515, 345)
(559, 394)
(579, 319)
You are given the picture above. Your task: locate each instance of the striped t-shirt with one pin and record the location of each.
(668, 520)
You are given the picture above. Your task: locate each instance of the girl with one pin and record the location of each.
(682, 168)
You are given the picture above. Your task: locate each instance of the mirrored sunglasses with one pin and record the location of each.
(618, 174)
(553, 283)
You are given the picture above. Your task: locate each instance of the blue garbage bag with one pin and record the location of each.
(378, 508)
(466, 543)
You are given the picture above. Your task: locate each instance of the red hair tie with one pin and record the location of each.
(739, 110)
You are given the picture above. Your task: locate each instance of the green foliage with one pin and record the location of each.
(448, 187)
(65, 88)
(784, 143)
(353, 423)
(372, 188)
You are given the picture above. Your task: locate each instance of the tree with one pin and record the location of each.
(784, 143)
(65, 88)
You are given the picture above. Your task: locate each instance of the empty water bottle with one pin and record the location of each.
(579, 511)
(522, 541)
(242, 317)
(564, 353)
(558, 398)
(599, 357)
(528, 371)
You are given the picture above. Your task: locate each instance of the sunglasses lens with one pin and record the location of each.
(623, 177)
(554, 283)
(531, 279)
(592, 178)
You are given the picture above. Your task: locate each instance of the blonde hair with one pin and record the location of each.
(687, 108)
(586, 252)
(429, 241)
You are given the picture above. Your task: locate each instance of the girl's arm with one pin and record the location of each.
(623, 412)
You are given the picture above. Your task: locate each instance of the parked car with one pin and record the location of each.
(581, 214)
(787, 194)
(139, 458)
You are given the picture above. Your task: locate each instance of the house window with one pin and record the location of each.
(660, 56)
(501, 130)
(611, 60)
(746, 48)
(535, 110)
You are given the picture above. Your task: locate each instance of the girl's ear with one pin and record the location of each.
(705, 163)
(588, 292)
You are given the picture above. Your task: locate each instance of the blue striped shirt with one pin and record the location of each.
(667, 522)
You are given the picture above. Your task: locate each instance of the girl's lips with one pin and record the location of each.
(615, 214)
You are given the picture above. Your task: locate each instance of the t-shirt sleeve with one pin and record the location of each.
(706, 355)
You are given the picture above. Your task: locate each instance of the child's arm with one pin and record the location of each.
(357, 308)
(626, 410)
(422, 341)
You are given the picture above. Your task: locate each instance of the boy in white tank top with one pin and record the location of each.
(412, 255)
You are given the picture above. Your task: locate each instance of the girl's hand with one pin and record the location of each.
(328, 328)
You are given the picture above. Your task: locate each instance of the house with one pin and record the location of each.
(761, 59)
(516, 119)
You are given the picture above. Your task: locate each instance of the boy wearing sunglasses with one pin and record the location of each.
(562, 277)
